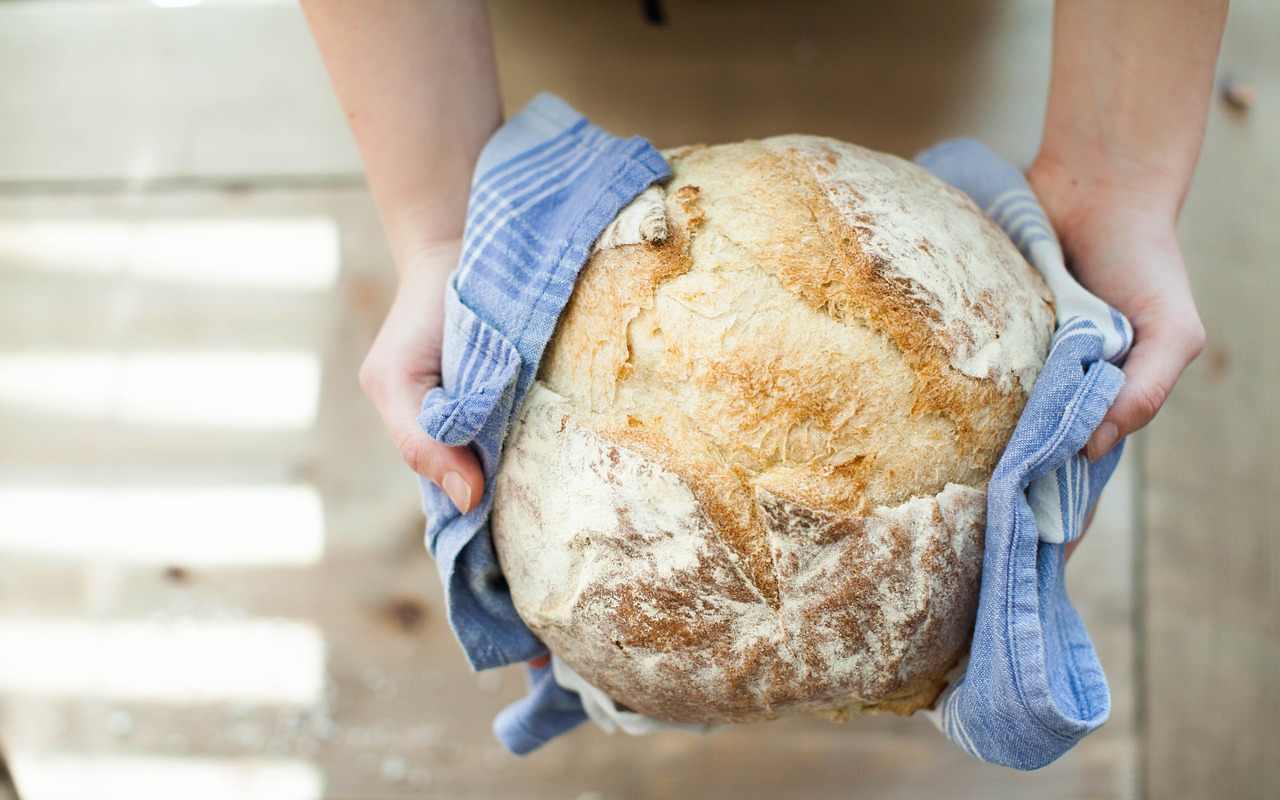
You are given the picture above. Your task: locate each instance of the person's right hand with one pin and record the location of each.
(403, 364)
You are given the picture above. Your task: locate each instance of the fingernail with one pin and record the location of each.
(1103, 439)
(459, 491)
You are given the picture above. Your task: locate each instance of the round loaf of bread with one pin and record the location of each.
(751, 476)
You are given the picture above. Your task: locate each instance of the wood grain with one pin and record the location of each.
(1211, 530)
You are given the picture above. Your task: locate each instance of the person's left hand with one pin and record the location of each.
(404, 364)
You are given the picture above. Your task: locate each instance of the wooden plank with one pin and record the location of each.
(1212, 557)
(138, 92)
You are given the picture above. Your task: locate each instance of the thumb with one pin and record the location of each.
(454, 469)
(1158, 358)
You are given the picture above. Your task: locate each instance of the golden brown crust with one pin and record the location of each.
(855, 288)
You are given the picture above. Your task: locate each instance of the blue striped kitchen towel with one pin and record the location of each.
(545, 186)
(1033, 686)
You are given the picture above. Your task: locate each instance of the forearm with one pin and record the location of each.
(1129, 94)
(1128, 99)
(418, 84)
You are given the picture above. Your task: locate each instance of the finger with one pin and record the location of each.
(453, 469)
(1158, 358)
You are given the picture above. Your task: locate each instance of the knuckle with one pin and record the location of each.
(417, 453)
(1195, 338)
(1147, 402)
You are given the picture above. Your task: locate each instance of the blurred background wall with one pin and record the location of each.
(213, 580)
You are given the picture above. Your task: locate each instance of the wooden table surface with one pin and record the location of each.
(275, 629)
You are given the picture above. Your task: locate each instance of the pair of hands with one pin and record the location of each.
(1120, 241)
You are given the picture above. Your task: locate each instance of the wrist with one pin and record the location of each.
(417, 254)
(422, 225)
(1077, 189)
(425, 264)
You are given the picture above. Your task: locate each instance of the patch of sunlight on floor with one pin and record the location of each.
(203, 388)
(177, 661)
(300, 253)
(62, 776)
(199, 526)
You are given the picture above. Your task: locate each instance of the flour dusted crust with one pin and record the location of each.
(750, 479)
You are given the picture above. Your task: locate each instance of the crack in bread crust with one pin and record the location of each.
(651, 608)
